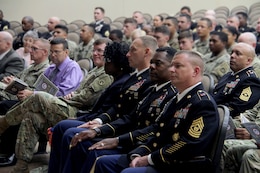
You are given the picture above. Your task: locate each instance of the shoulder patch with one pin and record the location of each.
(251, 73)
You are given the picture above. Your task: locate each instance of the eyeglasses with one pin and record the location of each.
(55, 52)
(99, 51)
(35, 48)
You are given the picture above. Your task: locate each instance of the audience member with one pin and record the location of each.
(173, 137)
(10, 62)
(187, 10)
(243, 27)
(137, 33)
(233, 20)
(238, 89)
(24, 51)
(249, 38)
(130, 25)
(29, 76)
(185, 39)
(85, 48)
(204, 27)
(4, 24)
(99, 25)
(184, 22)
(232, 34)
(61, 31)
(211, 15)
(172, 24)
(217, 62)
(257, 32)
(158, 20)
(36, 113)
(116, 35)
(139, 17)
(162, 35)
(27, 24)
(148, 29)
(241, 153)
(52, 22)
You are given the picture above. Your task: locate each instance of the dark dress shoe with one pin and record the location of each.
(7, 160)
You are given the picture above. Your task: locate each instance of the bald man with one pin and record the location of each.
(249, 38)
(52, 22)
(10, 62)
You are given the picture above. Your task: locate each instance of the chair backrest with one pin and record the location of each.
(208, 83)
(86, 64)
(220, 137)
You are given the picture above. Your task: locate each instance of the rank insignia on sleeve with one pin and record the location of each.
(245, 94)
(196, 128)
(175, 137)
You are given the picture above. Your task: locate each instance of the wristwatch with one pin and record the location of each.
(98, 131)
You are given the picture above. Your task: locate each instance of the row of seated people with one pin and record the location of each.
(165, 36)
(190, 117)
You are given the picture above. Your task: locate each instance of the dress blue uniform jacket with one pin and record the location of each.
(183, 131)
(145, 113)
(239, 91)
(131, 93)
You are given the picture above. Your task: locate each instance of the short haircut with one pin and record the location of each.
(116, 53)
(222, 36)
(62, 27)
(29, 19)
(130, 20)
(186, 16)
(101, 9)
(162, 29)
(31, 34)
(161, 17)
(209, 22)
(170, 52)
(243, 14)
(90, 28)
(45, 44)
(149, 42)
(173, 19)
(195, 58)
(102, 41)
(62, 41)
(118, 33)
(185, 34)
(186, 8)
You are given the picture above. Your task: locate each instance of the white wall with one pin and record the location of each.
(70, 10)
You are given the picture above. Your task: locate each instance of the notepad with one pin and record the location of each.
(44, 84)
(15, 86)
(253, 129)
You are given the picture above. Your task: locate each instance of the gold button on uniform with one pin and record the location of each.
(161, 124)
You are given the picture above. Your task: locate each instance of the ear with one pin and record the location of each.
(197, 71)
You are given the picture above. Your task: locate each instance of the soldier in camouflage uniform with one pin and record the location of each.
(31, 74)
(217, 62)
(172, 24)
(84, 49)
(42, 110)
(204, 27)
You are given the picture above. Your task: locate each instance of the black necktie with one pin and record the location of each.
(53, 74)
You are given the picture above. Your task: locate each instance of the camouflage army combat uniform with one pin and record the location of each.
(202, 46)
(84, 51)
(217, 65)
(29, 76)
(42, 110)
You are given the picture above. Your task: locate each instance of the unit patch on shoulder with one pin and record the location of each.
(196, 128)
(245, 94)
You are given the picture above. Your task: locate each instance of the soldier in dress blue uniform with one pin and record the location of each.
(132, 91)
(238, 89)
(142, 116)
(185, 128)
(99, 25)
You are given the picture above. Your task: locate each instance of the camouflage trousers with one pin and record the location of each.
(232, 153)
(35, 114)
(250, 161)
